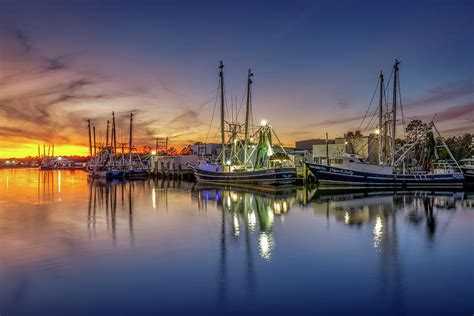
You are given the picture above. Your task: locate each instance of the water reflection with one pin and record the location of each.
(241, 245)
(251, 210)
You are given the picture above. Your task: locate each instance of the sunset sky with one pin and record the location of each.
(316, 64)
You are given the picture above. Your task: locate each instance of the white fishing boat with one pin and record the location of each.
(392, 169)
(241, 160)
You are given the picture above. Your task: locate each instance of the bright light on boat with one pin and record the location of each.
(377, 131)
(228, 162)
(153, 152)
(263, 122)
(60, 158)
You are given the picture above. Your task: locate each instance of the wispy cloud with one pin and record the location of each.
(435, 96)
(23, 40)
(444, 93)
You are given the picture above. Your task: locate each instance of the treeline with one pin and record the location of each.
(460, 147)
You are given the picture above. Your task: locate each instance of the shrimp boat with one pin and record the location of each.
(393, 169)
(107, 163)
(242, 160)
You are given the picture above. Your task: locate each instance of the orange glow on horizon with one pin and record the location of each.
(14, 150)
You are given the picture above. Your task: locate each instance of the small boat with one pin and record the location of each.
(245, 162)
(467, 167)
(393, 169)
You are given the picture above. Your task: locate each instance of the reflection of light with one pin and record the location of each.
(228, 201)
(252, 219)
(378, 233)
(234, 196)
(265, 245)
(153, 198)
(59, 181)
(347, 217)
(235, 221)
(277, 207)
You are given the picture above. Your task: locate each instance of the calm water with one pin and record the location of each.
(72, 247)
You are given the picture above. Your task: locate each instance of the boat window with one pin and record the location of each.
(351, 160)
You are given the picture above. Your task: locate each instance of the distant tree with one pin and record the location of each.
(415, 129)
(423, 152)
(460, 147)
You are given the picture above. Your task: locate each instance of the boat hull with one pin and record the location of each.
(274, 176)
(329, 175)
(136, 174)
(108, 174)
(468, 175)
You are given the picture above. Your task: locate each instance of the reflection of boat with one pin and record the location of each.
(392, 170)
(264, 190)
(245, 162)
(252, 209)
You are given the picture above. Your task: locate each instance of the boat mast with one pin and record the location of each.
(381, 134)
(95, 148)
(107, 135)
(130, 141)
(394, 107)
(247, 115)
(114, 134)
(221, 78)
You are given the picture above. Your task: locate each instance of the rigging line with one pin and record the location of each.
(242, 101)
(370, 105)
(213, 112)
(401, 106)
(386, 90)
(371, 119)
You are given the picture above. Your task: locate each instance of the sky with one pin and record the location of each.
(315, 64)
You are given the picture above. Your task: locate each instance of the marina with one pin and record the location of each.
(215, 157)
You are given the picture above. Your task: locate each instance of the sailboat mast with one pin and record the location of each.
(221, 78)
(247, 115)
(394, 108)
(130, 140)
(381, 134)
